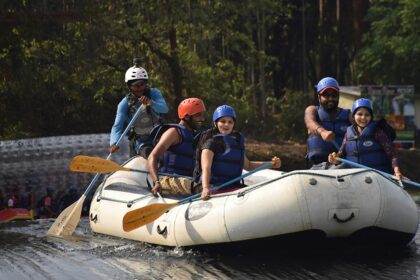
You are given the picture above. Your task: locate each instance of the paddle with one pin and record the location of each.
(100, 165)
(142, 216)
(67, 221)
(358, 165)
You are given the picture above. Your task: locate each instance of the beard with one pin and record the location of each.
(138, 94)
(194, 125)
(330, 106)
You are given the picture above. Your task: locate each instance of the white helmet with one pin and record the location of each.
(136, 73)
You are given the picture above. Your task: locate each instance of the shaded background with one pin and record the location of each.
(62, 63)
(39, 163)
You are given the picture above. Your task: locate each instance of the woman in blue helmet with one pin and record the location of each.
(221, 153)
(366, 142)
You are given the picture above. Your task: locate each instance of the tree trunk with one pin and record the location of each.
(174, 65)
(339, 75)
(321, 62)
(261, 63)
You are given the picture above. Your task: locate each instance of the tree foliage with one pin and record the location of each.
(62, 63)
(392, 44)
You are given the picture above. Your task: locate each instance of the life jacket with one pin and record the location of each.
(179, 158)
(318, 149)
(229, 164)
(145, 122)
(199, 139)
(364, 148)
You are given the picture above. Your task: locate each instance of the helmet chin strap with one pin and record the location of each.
(190, 123)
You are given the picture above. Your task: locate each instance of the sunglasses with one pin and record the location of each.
(331, 93)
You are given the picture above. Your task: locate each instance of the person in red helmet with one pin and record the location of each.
(173, 152)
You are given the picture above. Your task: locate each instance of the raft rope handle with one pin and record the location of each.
(101, 187)
(242, 193)
(257, 186)
(342, 221)
(128, 202)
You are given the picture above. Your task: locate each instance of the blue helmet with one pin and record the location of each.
(327, 83)
(362, 103)
(224, 111)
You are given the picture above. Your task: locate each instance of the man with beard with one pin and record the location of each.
(152, 106)
(326, 123)
(174, 149)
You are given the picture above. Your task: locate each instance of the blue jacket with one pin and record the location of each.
(123, 116)
(318, 149)
(179, 158)
(229, 164)
(364, 149)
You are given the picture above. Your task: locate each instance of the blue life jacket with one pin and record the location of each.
(364, 148)
(229, 164)
(318, 149)
(179, 158)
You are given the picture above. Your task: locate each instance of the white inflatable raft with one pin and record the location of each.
(355, 204)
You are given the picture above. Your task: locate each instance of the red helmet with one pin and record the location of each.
(190, 106)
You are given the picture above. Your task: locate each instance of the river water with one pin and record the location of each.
(26, 252)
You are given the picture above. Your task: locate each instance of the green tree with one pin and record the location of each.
(392, 45)
(62, 63)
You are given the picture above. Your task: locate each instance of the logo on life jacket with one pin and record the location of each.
(368, 143)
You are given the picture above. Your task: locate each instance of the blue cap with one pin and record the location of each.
(327, 83)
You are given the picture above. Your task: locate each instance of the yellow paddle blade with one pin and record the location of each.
(142, 216)
(94, 165)
(67, 221)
